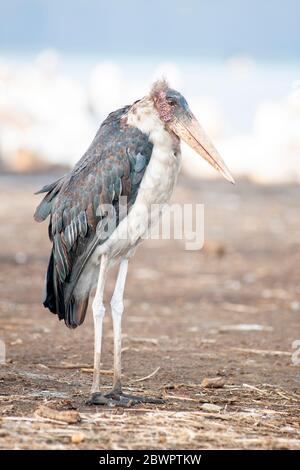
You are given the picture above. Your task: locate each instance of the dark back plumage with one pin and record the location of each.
(113, 166)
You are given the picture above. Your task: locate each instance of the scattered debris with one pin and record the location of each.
(153, 341)
(213, 382)
(263, 352)
(251, 387)
(90, 370)
(147, 376)
(211, 407)
(170, 327)
(239, 308)
(68, 416)
(66, 365)
(175, 397)
(16, 342)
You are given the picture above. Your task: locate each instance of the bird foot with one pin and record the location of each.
(114, 398)
(124, 399)
(97, 398)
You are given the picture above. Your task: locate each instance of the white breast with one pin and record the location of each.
(161, 174)
(156, 186)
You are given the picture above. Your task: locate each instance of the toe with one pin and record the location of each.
(113, 395)
(117, 398)
(140, 399)
(97, 399)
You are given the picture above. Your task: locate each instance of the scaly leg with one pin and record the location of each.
(116, 395)
(98, 314)
(117, 308)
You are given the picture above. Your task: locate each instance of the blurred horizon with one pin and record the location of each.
(65, 65)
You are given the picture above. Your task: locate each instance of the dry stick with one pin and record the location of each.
(143, 340)
(263, 351)
(68, 416)
(287, 397)
(32, 420)
(240, 308)
(102, 371)
(175, 397)
(251, 387)
(13, 397)
(147, 376)
(295, 395)
(181, 385)
(69, 366)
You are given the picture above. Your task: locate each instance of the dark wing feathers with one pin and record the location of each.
(49, 187)
(113, 166)
(44, 208)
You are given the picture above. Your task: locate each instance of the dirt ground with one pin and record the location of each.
(231, 310)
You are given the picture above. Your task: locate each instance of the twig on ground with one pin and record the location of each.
(66, 365)
(90, 370)
(147, 376)
(68, 416)
(176, 397)
(263, 352)
(251, 387)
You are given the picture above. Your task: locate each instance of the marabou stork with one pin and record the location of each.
(135, 156)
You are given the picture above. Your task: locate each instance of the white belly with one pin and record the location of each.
(155, 190)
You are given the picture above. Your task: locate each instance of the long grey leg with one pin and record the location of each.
(116, 396)
(117, 308)
(98, 314)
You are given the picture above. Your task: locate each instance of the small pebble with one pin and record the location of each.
(295, 306)
(17, 341)
(77, 437)
(213, 382)
(211, 407)
(21, 257)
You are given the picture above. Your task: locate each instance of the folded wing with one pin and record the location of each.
(77, 203)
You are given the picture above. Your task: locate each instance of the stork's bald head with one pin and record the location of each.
(173, 110)
(168, 102)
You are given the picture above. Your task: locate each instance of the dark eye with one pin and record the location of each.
(172, 102)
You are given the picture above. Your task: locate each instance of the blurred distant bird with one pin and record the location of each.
(131, 165)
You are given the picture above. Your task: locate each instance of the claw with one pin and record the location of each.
(123, 399)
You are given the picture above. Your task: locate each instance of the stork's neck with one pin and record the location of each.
(145, 117)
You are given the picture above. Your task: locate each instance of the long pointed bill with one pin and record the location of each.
(189, 130)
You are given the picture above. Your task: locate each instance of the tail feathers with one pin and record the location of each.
(74, 312)
(50, 294)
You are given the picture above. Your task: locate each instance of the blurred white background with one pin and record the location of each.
(242, 83)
